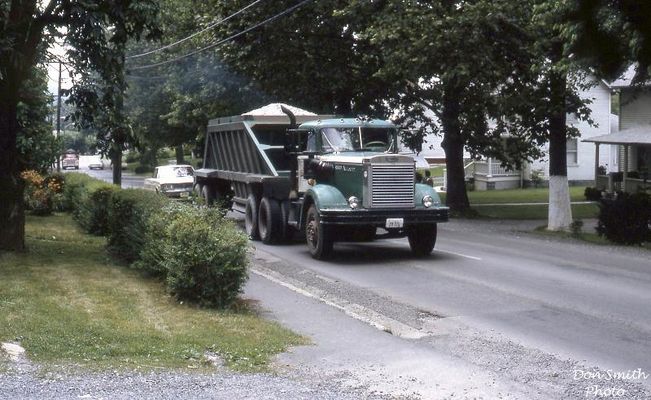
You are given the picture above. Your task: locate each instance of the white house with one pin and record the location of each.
(489, 174)
(630, 143)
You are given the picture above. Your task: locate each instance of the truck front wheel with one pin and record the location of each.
(270, 221)
(251, 217)
(422, 239)
(318, 236)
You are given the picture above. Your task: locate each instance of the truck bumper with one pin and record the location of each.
(379, 217)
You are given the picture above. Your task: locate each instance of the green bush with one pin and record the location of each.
(203, 255)
(92, 212)
(74, 189)
(625, 219)
(129, 212)
(592, 194)
(143, 169)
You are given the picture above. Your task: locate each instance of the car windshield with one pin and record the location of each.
(357, 139)
(175, 172)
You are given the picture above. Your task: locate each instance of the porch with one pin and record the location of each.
(490, 175)
(635, 161)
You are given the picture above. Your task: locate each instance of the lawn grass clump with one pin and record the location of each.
(67, 303)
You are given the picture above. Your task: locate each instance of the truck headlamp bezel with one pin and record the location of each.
(428, 201)
(353, 202)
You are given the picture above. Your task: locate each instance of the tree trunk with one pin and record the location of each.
(116, 159)
(453, 144)
(179, 155)
(12, 212)
(560, 210)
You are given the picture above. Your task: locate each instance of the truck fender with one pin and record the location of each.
(324, 197)
(423, 190)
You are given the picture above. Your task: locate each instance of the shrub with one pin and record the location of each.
(39, 195)
(625, 218)
(143, 169)
(203, 255)
(92, 212)
(129, 211)
(74, 189)
(592, 194)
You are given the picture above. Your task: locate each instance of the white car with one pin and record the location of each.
(172, 180)
(96, 162)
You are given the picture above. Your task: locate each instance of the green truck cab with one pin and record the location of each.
(330, 179)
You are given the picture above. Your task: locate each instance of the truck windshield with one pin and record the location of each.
(357, 139)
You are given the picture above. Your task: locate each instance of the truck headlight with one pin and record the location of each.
(428, 201)
(353, 202)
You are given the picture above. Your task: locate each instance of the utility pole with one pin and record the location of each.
(59, 117)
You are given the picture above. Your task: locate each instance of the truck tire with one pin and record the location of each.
(269, 221)
(208, 195)
(422, 239)
(318, 236)
(251, 217)
(287, 230)
(198, 189)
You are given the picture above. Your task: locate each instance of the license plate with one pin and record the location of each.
(185, 194)
(395, 222)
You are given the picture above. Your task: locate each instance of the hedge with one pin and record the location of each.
(202, 255)
(129, 212)
(626, 218)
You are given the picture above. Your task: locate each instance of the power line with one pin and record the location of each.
(213, 45)
(194, 34)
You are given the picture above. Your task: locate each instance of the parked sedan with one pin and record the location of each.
(96, 163)
(172, 180)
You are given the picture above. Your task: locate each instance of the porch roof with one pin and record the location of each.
(640, 135)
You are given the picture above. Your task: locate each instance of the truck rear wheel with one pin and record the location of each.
(208, 195)
(422, 239)
(318, 237)
(269, 221)
(198, 189)
(251, 217)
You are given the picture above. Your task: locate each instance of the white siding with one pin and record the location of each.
(635, 110)
(583, 170)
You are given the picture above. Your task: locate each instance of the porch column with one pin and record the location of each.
(625, 162)
(489, 173)
(596, 163)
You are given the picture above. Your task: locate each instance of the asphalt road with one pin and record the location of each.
(492, 313)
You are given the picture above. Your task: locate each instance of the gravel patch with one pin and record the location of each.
(20, 384)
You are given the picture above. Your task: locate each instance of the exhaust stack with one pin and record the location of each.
(292, 117)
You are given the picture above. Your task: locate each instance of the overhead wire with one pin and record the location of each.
(220, 42)
(209, 27)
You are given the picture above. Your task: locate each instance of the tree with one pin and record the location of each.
(93, 30)
(170, 105)
(37, 147)
(459, 66)
(609, 35)
(310, 57)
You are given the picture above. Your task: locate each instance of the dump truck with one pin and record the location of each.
(329, 179)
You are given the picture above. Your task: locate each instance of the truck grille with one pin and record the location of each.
(392, 185)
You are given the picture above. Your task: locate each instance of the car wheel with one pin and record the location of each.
(251, 217)
(422, 239)
(318, 236)
(269, 221)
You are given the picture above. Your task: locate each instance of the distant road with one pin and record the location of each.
(129, 179)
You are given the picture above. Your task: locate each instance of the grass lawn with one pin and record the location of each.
(66, 302)
(533, 195)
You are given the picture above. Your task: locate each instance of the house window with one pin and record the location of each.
(572, 152)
